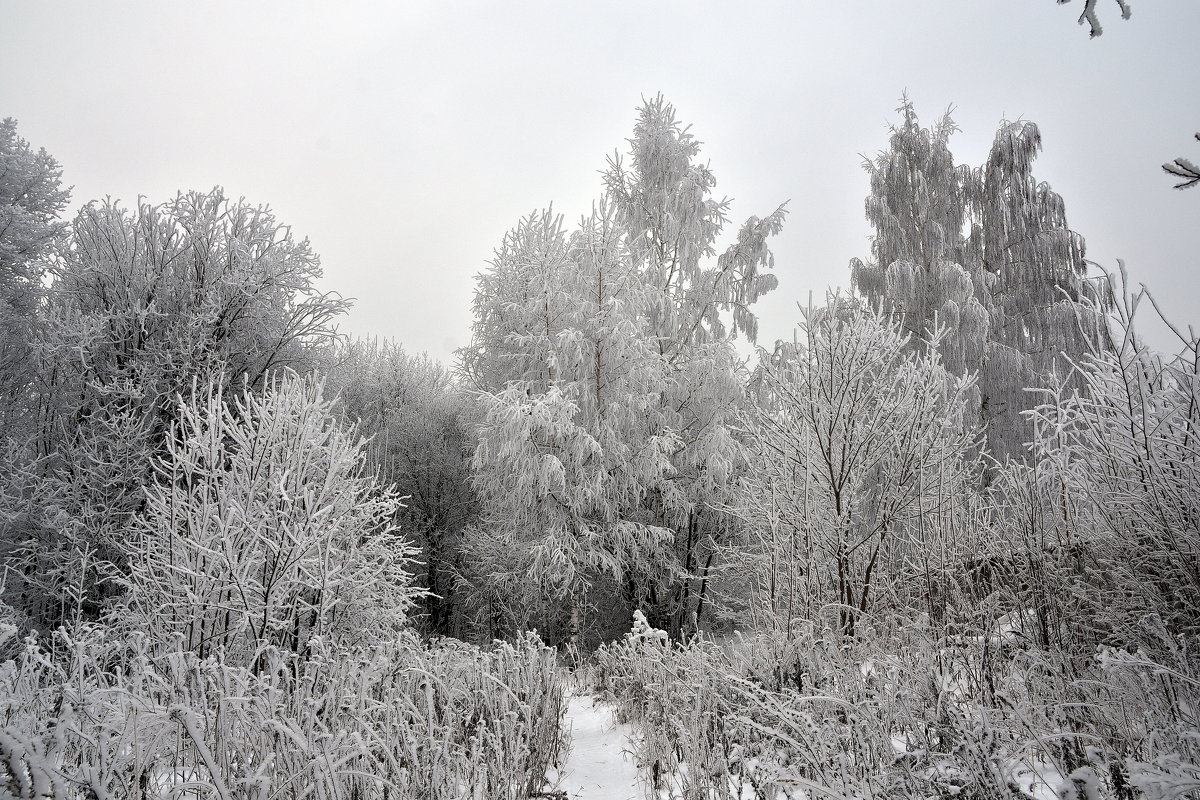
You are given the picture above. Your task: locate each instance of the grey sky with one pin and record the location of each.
(405, 139)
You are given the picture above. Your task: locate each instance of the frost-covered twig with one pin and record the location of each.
(1184, 168)
(1089, 15)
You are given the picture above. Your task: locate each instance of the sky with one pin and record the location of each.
(403, 139)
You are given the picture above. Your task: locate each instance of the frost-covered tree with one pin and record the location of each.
(420, 426)
(568, 448)
(142, 304)
(610, 378)
(985, 253)
(143, 301)
(263, 528)
(31, 200)
(663, 199)
(919, 272)
(702, 297)
(1043, 307)
(864, 462)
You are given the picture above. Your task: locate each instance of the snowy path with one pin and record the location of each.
(598, 768)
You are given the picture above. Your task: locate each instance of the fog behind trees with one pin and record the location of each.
(939, 541)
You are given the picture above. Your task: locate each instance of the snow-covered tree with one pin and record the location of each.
(662, 197)
(420, 427)
(702, 297)
(1044, 310)
(919, 272)
(264, 529)
(864, 465)
(142, 304)
(984, 253)
(149, 299)
(610, 379)
(31, 200)
(568, 448)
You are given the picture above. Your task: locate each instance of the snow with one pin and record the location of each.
(1036, 779)
(600, 764)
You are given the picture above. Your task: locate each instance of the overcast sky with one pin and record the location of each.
(405, 138)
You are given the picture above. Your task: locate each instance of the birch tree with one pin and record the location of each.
(919, 271)
(1044, 310)
(984, 253)
(703, 297)
(610, 379)
(567, 448)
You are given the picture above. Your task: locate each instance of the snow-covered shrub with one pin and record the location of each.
(1119, 467)
(897, 712)
(504, 705)
(709, 730)
(263, 529)
(674, 693)
(1095, 546)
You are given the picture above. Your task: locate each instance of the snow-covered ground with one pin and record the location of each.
(600, 765)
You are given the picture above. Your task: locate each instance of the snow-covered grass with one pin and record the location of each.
(902, 716)
(126, 719)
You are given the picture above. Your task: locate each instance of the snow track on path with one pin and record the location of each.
(599, 765)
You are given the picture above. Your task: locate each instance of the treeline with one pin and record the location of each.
(940, 542)
(210, 582)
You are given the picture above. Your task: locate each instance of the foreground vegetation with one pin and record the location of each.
(943, 543)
